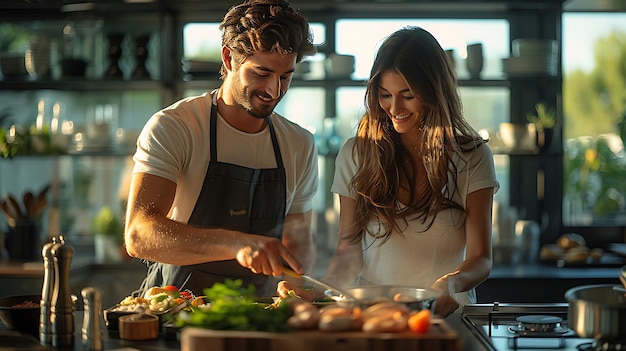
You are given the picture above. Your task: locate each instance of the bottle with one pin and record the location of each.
(91, 329)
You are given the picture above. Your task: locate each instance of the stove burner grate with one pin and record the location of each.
(539, 322)
(539, 325)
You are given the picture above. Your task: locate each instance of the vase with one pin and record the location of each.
(114, 55)
(141, 56)
(474, 60)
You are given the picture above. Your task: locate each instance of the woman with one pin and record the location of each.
(416, 184)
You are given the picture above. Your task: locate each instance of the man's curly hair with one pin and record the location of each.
(265, 26)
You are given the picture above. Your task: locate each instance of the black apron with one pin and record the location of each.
(237, 198)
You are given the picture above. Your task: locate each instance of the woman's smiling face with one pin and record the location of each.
(397, 100)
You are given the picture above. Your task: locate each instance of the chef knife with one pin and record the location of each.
(346, 295)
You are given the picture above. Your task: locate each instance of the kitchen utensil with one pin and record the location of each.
(11, 220)
(13, 207)
(28, 199)
(343, 293)
(597, 311)
(415, 298)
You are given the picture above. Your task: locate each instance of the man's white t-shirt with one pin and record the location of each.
(175, 144)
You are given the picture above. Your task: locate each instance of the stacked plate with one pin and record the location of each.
(532, 57)
(200, 69)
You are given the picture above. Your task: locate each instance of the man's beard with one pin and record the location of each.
(243, 98)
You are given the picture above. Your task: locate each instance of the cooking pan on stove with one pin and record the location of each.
(597, 311)
(414, 298)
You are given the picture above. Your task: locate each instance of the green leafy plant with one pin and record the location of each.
(106, 222)
(544, 118)
(12, 38)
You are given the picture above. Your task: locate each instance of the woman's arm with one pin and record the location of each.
(477, 264)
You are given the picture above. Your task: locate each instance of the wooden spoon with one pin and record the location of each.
(10, 219)
(28, 199)
(13, 207)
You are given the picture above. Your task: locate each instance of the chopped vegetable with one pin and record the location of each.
(420, 322)
(172, 290)
(233, 307)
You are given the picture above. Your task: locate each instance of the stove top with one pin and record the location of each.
(501, 326)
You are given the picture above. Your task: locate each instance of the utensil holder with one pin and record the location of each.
(23, 241)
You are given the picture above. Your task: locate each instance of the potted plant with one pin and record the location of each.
(107, 230)
(544, 120)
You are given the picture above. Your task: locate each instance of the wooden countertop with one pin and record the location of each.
(35, 269)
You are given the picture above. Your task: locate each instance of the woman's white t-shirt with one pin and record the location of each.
(419, 257)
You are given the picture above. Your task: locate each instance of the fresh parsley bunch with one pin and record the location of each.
(233, 307)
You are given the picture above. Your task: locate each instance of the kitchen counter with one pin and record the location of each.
(117, 279)
(540, 282)
(518, 283)
(11, 341)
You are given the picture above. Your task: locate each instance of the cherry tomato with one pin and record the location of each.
(172, 290)
(420, 322)
(197, 301)
(185, 294)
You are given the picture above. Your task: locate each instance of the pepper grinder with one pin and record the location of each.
(62, 311)
(45, 326)
(91, 330)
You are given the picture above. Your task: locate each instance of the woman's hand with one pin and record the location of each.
(445, 303)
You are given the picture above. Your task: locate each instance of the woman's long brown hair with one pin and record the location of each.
(417, 56)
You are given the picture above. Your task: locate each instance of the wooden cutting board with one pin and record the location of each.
(439, 338)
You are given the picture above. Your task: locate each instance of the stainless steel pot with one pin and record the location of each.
(597, 311)
(415, 298)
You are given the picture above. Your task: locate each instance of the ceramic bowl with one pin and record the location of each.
(24, 319)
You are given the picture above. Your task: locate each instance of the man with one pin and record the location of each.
(222, 186)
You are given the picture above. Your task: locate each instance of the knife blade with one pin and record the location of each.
(346, 295)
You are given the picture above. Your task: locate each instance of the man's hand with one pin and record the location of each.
(264, 255)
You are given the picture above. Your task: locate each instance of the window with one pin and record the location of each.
(594, 105)
(307, 104)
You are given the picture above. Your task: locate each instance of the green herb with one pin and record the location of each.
(106, 222)
(545, 118)
(233, 307)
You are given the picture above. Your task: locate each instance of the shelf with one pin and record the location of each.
(202, 82)
(114, 154)
(81, 84)
(74, 84)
